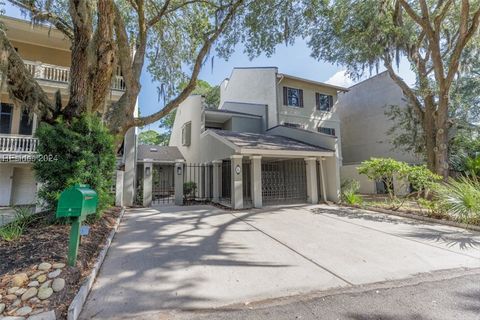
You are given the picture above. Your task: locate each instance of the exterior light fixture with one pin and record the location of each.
(238, 170)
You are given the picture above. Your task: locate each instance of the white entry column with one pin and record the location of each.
(237, 181)
(256, 180)
(147, 183)
(312, 192)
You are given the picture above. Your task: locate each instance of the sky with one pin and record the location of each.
(294, 60)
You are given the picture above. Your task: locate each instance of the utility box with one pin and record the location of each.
(77, 201)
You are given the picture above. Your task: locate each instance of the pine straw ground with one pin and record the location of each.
(44, 242)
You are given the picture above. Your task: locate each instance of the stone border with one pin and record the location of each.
(77, 303)
(419, 217)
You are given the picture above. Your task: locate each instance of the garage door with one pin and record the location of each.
(284, 181)
(23, 186)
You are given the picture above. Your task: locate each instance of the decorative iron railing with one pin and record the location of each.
(50, 72)
(18, 144)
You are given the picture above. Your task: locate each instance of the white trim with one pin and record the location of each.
(287, 76)
(236, 156)
(287, 153)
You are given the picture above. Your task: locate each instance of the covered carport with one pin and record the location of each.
(266, 169)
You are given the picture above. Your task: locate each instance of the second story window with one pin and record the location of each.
(293, 97)
(329, 131)
(293, 125)
(186, 134)
(26, 124)
(6, 111)
(324, 101)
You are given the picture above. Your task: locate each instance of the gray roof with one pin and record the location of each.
(266, 141)
(158, 153)
(232, 112)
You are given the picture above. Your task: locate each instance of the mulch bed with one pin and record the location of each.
(44, 242)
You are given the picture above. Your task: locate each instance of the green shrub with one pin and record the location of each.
(420, 178)
(349, 189)
(189, 189)
(383, 169)
(472, 165)
(460, 198)
(78, 152)
(13, 230)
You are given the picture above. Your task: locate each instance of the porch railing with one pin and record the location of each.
(50, 72)
(18, 144)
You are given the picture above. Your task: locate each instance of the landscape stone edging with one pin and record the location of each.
(418, 217)
(76, 306)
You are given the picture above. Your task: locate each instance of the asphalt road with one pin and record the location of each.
(432, 297)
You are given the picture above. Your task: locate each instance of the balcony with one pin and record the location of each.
(50, 72)
(15, 144)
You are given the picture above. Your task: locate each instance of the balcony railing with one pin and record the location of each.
(18, 144)
(50, 72)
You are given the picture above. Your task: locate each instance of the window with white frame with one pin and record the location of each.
(324, 101)
(293, 97)
(6, 112)
(329, 131)
(186, 133)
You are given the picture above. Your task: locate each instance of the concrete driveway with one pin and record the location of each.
(202, 257)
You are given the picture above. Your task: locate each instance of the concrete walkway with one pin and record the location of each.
(181, 258)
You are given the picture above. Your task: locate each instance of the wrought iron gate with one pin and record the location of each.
(284, 181)
(163, 184)
(197, 182)
(247, 185)
(226, 183)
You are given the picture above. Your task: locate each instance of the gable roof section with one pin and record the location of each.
(158, 153)
(246, 143)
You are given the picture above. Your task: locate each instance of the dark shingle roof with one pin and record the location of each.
(158, 153)
(266, 141)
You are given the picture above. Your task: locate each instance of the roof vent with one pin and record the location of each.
(153, 149)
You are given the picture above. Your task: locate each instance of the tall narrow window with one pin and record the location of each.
(329, 131)
(26, 123)
(324, 102)
(293, 97)
(186, 133)
(6, 118)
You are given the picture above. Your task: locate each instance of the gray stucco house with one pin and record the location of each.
(274, 139)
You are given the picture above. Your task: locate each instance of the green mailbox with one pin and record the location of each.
(76, 202)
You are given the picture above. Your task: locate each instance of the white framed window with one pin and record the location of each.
(324, 101)
(186, 133)
(293, 97)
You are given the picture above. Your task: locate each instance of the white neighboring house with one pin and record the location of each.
(365, 126)
(284, 130)
(46, 53)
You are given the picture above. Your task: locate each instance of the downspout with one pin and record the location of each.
(276, 93)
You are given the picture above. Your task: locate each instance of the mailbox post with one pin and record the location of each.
(76, 203)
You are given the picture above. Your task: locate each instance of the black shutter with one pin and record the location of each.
(300, 93)
(317, 100)
(330, 100)
(285, 98)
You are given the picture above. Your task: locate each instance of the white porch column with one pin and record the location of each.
(237, 181)
(147, 183)
(256, 180)
(130, 158)
(178, 181)
(322, 180)
(312, 192)
(119, 188)
(217, 179)
(332, 173)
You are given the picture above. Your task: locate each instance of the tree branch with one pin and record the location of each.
(196, 70)
(47, 16)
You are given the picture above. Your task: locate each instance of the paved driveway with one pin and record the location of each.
(173, 258)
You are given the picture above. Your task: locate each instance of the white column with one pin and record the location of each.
(256, 180)
(237, 181)
(332, 173)
(312, 193)
(130, 158)
(179, 164)
(217, 174)
(119, 188)
(147, 183)
(322, 180)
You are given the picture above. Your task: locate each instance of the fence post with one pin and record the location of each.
(178, 181)
(147, 183)
(217, 171)
(237, 181)
(256, 180)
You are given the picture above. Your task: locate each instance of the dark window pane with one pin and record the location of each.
(324, 102)
(293, 97)
(26, 124)
(6, 118)
(325, 130)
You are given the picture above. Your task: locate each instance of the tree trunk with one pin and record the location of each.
(441, 159)
(429, 132)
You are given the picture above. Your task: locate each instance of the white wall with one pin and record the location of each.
(367, 186)
(252, 85)
(6, 174)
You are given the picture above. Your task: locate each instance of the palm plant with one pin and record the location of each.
(461, 197)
